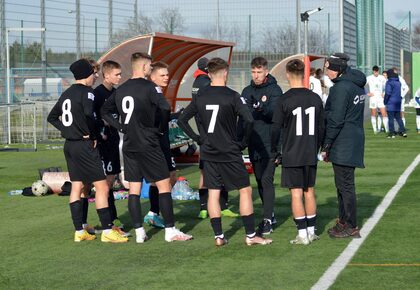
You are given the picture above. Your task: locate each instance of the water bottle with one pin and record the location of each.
(15, 192)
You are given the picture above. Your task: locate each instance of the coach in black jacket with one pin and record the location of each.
(344, 138)
(261, 96)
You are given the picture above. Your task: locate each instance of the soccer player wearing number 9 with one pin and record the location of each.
(137, 102)
(73, 116)
(300, 117)
(218, 108)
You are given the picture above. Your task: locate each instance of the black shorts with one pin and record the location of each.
(170, 160)
(298, 177)
(150, 165)
(110, 155)
(83, 161)
(230, 175)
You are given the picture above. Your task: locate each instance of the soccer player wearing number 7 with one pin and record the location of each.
(218, 108)
(137, 102)
(73, 116)
(300, 117)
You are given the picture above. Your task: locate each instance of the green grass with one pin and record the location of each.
(38, 252)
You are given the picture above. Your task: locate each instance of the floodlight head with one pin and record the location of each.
(310, 12)
(305, 15)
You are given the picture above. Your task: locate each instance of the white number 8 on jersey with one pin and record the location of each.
(66, 116)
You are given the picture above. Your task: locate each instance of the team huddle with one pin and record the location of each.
(291, 129)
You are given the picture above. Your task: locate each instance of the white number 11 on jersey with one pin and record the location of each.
(298, 113)
(215, 111)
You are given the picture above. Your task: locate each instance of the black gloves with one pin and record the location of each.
(276, 158)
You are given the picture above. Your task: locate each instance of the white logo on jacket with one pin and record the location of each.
(359, 99)
(91, 96)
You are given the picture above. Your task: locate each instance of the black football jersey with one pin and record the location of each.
(101, 95)
(300, 115)
(73, 113)
(137, 101)
(218, 109)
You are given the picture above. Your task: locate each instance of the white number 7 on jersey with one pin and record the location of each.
(215, 111)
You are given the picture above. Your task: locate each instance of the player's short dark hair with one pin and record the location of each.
(312, 71)
(140, 55)
(110, 65)
(216, 64)
(375, 68)
(158, 65)
(259, 62)
(295, 67)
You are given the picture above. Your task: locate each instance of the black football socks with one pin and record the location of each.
(249, 224)
(85, 209)
(203, 194)
(134, 209)
(77, 214)
(154, 199)
(105, 218)
(166, 207)
(111, 204)
(216, 224)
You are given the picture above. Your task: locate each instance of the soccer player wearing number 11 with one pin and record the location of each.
(300, 118)
(137, 102)
(218, 108)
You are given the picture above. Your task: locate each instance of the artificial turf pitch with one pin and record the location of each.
(37, 249)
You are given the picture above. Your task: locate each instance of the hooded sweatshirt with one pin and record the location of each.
(262, 112)
(344, 119)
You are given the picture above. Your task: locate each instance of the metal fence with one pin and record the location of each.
(25, 124)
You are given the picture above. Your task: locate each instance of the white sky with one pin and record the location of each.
(395, 11)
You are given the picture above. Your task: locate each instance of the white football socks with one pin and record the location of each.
(374, 126)
(386, 125)
(418, 122)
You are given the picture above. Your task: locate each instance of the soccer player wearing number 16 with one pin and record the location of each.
(73, 116)
(137, 102)
(300, 117)
(218, 108)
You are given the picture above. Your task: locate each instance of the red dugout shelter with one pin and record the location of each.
(179, 52)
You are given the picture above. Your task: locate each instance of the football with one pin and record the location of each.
(39, 188)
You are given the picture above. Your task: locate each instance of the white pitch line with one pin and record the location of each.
(329, 276)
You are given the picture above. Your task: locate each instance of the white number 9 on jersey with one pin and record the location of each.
(128, 108)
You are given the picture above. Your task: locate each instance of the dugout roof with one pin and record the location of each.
(279, 70)
(179, 52)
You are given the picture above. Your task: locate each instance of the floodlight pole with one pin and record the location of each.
(9, 135)
(304, 17)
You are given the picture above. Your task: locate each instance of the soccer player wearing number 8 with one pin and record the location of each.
(137, 102)
(218, 108)
(73, 116)
(299, 115)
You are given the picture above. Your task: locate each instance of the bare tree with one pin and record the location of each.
(133, 28)
(416, 37)
(317, 41)
(232, 33)
(282, 39)
(171, 21)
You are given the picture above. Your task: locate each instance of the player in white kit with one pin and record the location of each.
(376, 84)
